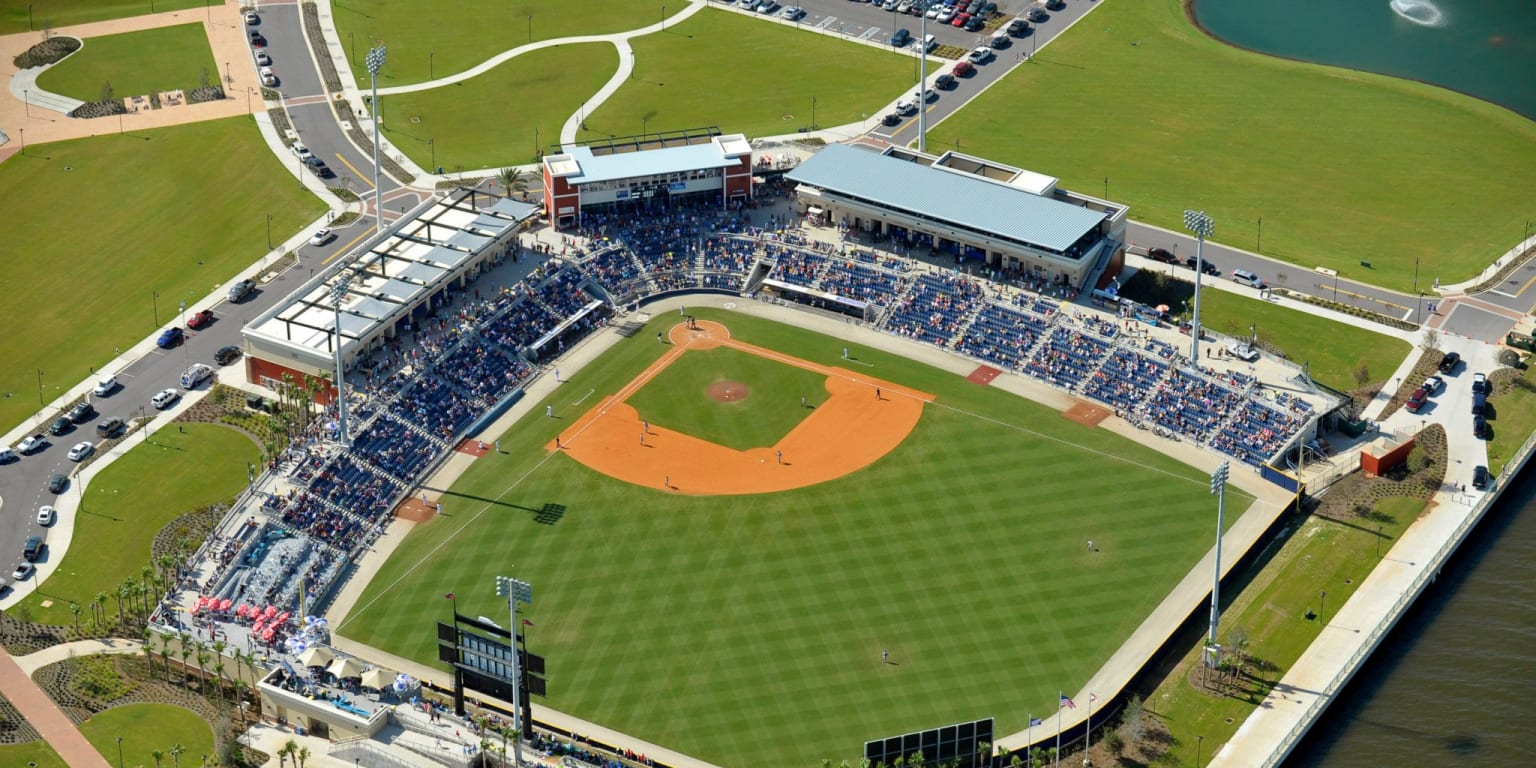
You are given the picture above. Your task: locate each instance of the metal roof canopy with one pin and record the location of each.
(652, 162)
(969, 202)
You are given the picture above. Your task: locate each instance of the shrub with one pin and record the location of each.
(47, 52)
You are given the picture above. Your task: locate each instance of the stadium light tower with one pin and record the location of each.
(375, 62)
(1219, 488)
(1202, 225)
(515, 592)
(922, 74)
(339, 293)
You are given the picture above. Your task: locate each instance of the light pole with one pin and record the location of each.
(515, 591)
(183, 309)
(269, 237)
(1258, 247)
(1219, 488)
(1202, 225)
(375, 62)
(1199, 749)
(813, 113)
(530, 27)
(27, 100)
(663, 18)
(1336, 285)
(922, 75)
(1322, 602)
(154, 299)
(119, 752)
(432, 142)
(40, 386)
(339, 292)
(23, 141)
(431, 67)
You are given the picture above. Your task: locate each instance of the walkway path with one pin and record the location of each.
(226, 39)
(44, 715)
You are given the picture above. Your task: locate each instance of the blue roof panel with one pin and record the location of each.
(948, 196)
(652, 162)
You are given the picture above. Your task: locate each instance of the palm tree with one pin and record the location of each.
(165, 656)
(75, 609)
(202, 661)
(240, 689)
(121, 594)
(302, 754)
(186, 651)
(514, 180)
(156, 754)
(290, 749)
(100, 610)
(176, 750)
(218, 671)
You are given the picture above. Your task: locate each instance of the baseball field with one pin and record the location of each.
(733, 596)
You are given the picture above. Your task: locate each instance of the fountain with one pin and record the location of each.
(1421, 12)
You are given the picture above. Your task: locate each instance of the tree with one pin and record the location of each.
(1431, 338)
(100, 611)
(106, 91)
(157, 754)
(75, 609)
(302, 754)
(1132, 724)
(202, 661)
(1114, 742)
(1361, 373)
(514, 181)
(218, 671)
(176, 752)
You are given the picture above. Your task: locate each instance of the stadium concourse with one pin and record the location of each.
(284, 550)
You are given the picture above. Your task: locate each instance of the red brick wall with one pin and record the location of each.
(256, 369)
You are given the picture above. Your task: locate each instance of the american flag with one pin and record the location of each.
(1092, 698)
(1068, 703)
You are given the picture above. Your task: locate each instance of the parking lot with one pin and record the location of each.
(861, 20)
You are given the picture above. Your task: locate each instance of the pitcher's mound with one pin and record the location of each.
(1087, 414)
(728, 391)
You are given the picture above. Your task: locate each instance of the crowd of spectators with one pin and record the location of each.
(1002, 336)
(935, 307)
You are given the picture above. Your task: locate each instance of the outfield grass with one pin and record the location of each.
(1342, 166)
(678, 397)
(503, 116)
(1332, 349)
(752, 632)
(443, 39)
(1321, 556)
(749, 76)
(106, 222)
(1514, 420)
(136, 64)
(145, 728)
(130, 501)
(62, 13)
(31, 752)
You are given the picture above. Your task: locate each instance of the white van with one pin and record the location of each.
(106, 386)
(930, 42)
(1248, 278)
(195, 375)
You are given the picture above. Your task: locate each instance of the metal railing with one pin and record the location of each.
(364, 752)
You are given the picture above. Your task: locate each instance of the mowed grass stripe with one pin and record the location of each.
(717, 627)
(679, 398)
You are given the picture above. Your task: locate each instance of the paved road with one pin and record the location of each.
(291, 62)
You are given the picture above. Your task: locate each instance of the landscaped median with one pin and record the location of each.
(1340, 166)
(135, 63)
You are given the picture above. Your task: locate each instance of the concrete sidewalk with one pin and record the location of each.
(44, 715)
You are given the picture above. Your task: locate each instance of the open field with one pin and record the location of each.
(1342, 166)
(1513, 420)
(145, 728)
(501, 117)
(1322, 555)
(201, 196)
(762, 82)
(1334, 350)
(439, 39)
(136, 64)
(14, 14)
(131, 500)
(718, 628)
(678, 397)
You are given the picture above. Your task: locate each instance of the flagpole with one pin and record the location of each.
(1029, 743)
(1056, 760)
(1088, 734)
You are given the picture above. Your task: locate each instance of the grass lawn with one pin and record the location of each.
(717, 629)
(1333, 349)
(1513, 421)
(130, 501)
(678, 397)
(14, 14)
(135, 63)
(442, 39)
(113, 219)
(1322, 555)
(503, 116)
(749, 76)
(1342, 166)
(146, 728)
(37, 752)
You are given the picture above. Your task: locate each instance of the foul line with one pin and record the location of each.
(584, 397)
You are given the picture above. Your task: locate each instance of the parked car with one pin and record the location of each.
(1479, 427)
(1018, 28)
(256, 39)
(301, 150)
(32, 444)
(200, 319)
(1416, 400)
(891, 118)
(60, 425)
(767, 6)
(1449, 362)
(945, 81)
(262, 59)
(82, 412)
(268, 77)
(906, 106)
(81, 450)
(1433, 384)
(1001, 40)
(318, 167)
(251, 18)
(1055, 5)
(164, 398)
(169, 338)
(33, 549)
(963, 69)
(58, 483)
(960, 19)
(980, 55)
(1036, 14)
(1162, 254)
(792, 13)
(1205, 266)
(901, 38)
(23, 571)
(1480, 383)
(105, 386)
(7, 456)
(195, 376)
(975, 23)
(946, 14)
(1480, 477)
(110, 427)
(46, 516)
(239, 291)
(227, 355)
